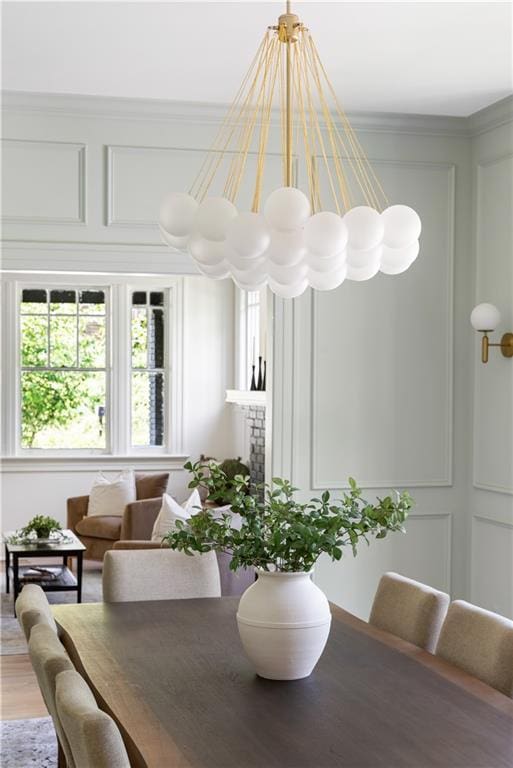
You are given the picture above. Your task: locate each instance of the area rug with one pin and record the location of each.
(26, 743)
(13, 639)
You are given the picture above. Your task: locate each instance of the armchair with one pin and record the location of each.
(99, 532)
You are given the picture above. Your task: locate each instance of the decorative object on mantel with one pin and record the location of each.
(292, 241)
(485, 318)
(284, 618)
(40, 529)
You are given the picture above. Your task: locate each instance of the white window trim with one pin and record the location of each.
(118, 451)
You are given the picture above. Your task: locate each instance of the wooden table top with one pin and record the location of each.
(174, 676)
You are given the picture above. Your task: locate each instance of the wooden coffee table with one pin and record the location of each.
(64, 581)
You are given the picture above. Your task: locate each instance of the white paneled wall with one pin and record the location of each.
(374, 380)
(491, 496)
(82, 185)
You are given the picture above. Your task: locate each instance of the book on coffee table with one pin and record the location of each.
(39, 574)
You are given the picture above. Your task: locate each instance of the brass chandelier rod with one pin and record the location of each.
(287, 61)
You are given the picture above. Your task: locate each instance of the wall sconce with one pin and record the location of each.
(485, 318)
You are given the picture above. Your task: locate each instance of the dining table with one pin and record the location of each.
(174, 676)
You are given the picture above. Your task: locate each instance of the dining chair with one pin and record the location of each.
(33, 608)
(409, 609)
(479, 642)
(49, 658)
(93, 735)
(159, 574)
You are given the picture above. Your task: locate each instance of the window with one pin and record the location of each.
(252, 333)
(63, 371)
(87, 367)
(148, 368)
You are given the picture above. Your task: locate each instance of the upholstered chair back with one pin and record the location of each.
(410, 610)
(33, 608)
(49, 658)
(159, 574)
(93, 735)
(479, 642)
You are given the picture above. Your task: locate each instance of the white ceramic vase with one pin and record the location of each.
(284, 621)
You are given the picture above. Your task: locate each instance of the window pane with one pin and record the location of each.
(63, 342)
(34, 302)
(156, 339)
(91, 342)
(157, 299)
(91, 302)
(139, 297)
(139, 338)
(34, 341)
(61, 409)
(63, 302)
(147, 409)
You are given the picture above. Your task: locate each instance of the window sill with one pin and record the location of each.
(164, 462)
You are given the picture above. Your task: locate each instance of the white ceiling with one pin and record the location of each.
(450, 58)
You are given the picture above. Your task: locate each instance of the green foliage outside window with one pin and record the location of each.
(54, 400)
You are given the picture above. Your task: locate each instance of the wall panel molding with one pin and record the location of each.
(484, 292)
(78, 153)
(317, 482)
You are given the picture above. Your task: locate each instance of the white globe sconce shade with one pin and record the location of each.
(485, 318)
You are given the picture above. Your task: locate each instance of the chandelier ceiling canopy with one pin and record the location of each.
(290, 240)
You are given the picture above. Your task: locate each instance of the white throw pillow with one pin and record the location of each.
(171, 511)
(110, 496)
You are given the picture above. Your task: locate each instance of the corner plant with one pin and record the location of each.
(280, 533)
(217, 479)
(42, 526)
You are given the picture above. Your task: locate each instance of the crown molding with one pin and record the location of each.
(492, 117)
(206, 113)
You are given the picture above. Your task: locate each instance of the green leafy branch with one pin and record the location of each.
(278, 532)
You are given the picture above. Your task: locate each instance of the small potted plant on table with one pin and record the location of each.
(284, 618)
(41, 526)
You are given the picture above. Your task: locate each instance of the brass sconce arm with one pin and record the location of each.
(506, 345)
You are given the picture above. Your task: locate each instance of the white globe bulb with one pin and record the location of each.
(286, 248)
(485, 317)
(236, 262)
(213, 216)
(206, 251)
(365, 227)
(250, 279)
(319, 264)
(287, 208)
(397, 260)
(287, 275)
(177, 212)
(326, 234)
(215, 271)
(248, 235)
(288, 291)
(359, 259)
(402, 226)
(174, 242)
(326, 281)
(364, 272)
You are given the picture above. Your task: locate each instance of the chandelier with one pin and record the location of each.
(291, 240)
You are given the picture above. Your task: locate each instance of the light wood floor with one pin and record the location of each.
(21, 698)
